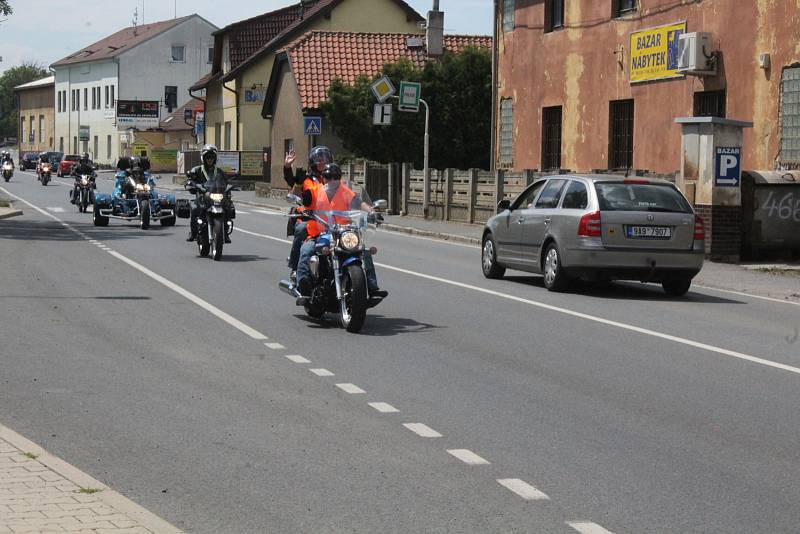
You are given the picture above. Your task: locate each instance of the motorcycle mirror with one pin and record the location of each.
(294, 199)
(380, 205)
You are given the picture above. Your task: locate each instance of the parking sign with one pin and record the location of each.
(728, 171)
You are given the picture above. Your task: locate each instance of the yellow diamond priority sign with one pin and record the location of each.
(382, 88)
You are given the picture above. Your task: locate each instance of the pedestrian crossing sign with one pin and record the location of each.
(312, 125)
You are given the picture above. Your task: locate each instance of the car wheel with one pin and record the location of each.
(555, 279)
(676, 287)
(489, 265)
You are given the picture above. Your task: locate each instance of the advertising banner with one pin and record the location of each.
(251, 164)
(140, 114)
(164, 159)
(228, 162)
(654, 53)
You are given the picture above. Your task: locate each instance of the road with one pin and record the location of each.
(198, 390)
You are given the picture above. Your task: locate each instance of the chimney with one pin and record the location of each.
(434, 37)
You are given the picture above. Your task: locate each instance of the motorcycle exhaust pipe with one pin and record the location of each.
(288, 288)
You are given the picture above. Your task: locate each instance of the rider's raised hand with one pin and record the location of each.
(289, 161)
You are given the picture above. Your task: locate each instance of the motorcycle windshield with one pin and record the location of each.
(216, 186)
(343, 203)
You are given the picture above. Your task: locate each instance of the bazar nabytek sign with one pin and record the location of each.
(655, 53)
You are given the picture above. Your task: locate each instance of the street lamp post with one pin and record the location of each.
(425, 162)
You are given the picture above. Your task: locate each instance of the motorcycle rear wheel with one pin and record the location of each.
(217, 239)
(354, 301)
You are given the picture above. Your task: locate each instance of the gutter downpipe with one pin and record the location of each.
(203, 100)
(495, 46)
(235, 92)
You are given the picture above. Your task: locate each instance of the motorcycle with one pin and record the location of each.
(216, 220)
(44, 173)
(339, 278)
(139, 201)
(8, 171)
(84, 194)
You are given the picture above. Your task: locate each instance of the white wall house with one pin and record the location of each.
(152, 62)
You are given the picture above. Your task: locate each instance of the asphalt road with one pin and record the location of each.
(617, 408)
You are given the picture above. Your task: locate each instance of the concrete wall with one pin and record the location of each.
(585, 66)
(36, 103)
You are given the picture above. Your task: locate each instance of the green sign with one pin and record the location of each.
(83, 133)
(410, 93)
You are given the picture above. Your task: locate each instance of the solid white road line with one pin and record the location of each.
(55, 210)
(321, 372)
(523, 489)
(296, 358)
(384, 407)
(240, 212)
(607, 322)
(422, 430)
(350, 388)
(586, 527)
(741, 294)
(275, 346)
(467, 456)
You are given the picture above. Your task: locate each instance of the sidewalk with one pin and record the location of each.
(7, 209)
(41, 493)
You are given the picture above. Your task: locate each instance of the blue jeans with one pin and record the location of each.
(300, 235)
(304, 272)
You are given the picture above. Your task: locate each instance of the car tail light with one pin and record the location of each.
(699, 228)
(590, 225)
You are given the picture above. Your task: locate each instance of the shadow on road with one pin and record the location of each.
(624, 291)
(376, 325)
(31, 230)
(243, 258)
(44, 297)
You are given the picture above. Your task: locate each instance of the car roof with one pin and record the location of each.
(608, 178)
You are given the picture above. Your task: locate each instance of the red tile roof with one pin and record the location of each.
(203, 82)
(120, 42)
(320, 57)
(313, 10)
(174, 121)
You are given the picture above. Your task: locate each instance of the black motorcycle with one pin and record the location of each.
(217, 215)
(83, 193)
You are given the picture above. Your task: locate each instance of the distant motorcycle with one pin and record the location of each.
(44, 173)
(8, 171)
(139, 202)
(218, 213)
(84, 194)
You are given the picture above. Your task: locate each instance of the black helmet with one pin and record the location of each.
(332, 172)
(124, 163)
(319, 154)
(208, 150)
(84, 159)
(144, 163)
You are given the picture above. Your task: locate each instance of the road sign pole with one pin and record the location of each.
(426, 158)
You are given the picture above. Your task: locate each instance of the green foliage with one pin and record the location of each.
(5, 8)
(458, 90)
(9, 114)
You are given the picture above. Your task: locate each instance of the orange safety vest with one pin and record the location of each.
(341, 202)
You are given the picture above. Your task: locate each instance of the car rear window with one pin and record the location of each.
(72, 158)
(640, 197)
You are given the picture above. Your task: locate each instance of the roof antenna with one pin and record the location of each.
(302, 9)
(135, 20)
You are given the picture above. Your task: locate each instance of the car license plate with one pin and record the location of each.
(649, 232)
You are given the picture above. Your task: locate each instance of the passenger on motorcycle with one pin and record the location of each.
(301, 183)
(43, 158)
(7, 158)
(83, 167)
(337, 197)
(121, 186)
(205, 174)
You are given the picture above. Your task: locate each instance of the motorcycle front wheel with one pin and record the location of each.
(203, 246)
(217, 239)
(84, 200)
(354, 298)
(145, 215)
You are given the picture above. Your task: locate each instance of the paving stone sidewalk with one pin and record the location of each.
(41, 493)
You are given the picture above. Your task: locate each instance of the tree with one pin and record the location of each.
(5, 8)
(458, 89)
(9, 114)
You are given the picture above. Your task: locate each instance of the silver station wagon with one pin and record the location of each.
(597, 227)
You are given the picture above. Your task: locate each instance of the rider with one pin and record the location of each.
(303, 183)
(206, 173)
(83, 167)
(337, 196)
(121, 183)
(7, 158)
(44, 157)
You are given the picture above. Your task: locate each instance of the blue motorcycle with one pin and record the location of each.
(135, 199)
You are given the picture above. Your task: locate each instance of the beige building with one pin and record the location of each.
(35, 102)
(244, 54)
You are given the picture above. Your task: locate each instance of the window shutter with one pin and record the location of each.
(615, 8)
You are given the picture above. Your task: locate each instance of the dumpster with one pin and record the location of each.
(770, 213)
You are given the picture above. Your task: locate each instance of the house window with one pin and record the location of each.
(709, 104)
(22, 130)
(553, 15)
(41, 129)
(551, 138)
(210, 55)
(113, 102)
(790, 115)
(288, 146)
(61, 144)
(620, 134)
(32, 130)
(75, 144)
(106, 101)
(218, 134)
(178, 54)
(506, 132)
(96, 147)
(508, 15)
(171, 97)
(108, 147)
(621, 7)
(85, 98)
(228, 135)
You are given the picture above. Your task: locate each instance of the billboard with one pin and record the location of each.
(140, 114)
(654, 53)
(228, 162)
(252, 163)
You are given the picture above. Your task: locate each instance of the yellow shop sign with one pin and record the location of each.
(654, 53)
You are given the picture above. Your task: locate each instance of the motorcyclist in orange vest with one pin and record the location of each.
(335, 196)
(301, 184)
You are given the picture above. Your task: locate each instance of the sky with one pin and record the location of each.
(74, 24)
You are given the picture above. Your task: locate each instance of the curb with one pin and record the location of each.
(110, 497)
(6, 213)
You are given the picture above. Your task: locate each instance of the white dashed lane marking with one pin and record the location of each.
(350, 388)
(586, 527)
(523, 489)
(296, 358)
(384, 407)
(422, 430)
(274, 346)
(467, 456)
(56, 210)
(321, 372)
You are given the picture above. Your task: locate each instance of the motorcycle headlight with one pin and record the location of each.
(84, 181)
(140, 187)
(217, 197)
(349, 240)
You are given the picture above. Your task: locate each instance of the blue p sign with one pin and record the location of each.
(728, 168)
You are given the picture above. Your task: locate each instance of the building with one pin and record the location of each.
(36, 115)
(598, 84)
(131, 80)
(245, 53)
(304, 70)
